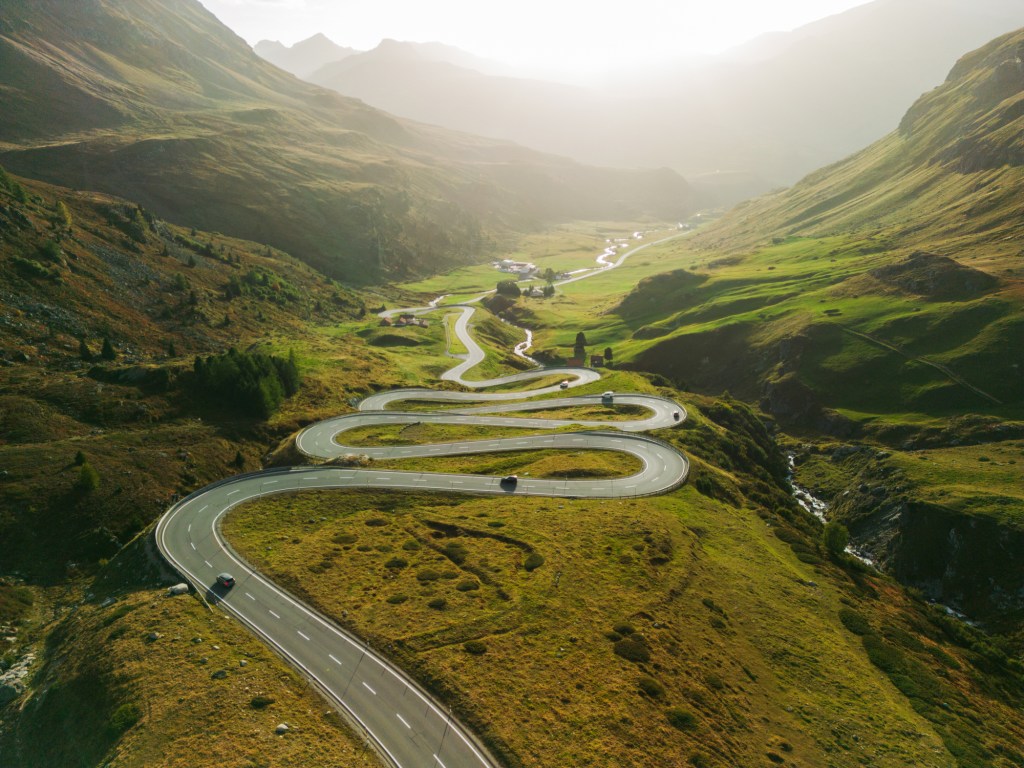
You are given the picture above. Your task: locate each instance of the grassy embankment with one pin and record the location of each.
(155, 681)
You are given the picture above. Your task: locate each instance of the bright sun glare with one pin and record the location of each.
(555, 35)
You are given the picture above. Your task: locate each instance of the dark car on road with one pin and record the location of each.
(225, 580)
(510, 480)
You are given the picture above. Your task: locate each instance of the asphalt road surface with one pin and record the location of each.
(406, 726)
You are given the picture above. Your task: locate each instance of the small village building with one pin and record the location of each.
(597, 361)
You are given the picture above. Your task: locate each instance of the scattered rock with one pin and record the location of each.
(243, 663)
(177, 589)
(220, 674)
(197, 640)
(281, 729)
(152, 637)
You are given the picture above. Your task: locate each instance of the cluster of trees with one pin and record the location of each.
(509, 288)
(579, 349)
(132, 220)
(250, 382)
(107, 351)
(10, 185)
(264, 284)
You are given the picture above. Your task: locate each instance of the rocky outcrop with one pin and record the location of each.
(973, 563)
(13, 681)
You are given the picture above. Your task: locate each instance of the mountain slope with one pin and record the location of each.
(887, 283)
(771, 112)
(951, 172)
(159, 102)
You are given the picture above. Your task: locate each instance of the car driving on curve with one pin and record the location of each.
(675, 415)
(225, 580)
(607, 397)
(564, 385)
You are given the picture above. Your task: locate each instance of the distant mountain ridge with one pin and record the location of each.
(763, 115)
(305, 57)
(156, 101)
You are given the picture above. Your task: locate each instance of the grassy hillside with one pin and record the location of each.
(158, 102)
(646, 636)
(646, 633)
(885, 288)
(131, 677)
(81, 271)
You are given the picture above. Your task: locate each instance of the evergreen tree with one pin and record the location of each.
(5, 180)
(608, 354)
(239, 460)
(579, 349)
(108, 352)
(88, 478)
(83, 350)
(171, 351)
(62, 216)
(191, 260)
(19, 193)
(79, 459)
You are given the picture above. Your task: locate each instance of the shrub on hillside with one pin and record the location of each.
(681, 719)
(854, 621)
(651, 687)
(835, 537)
(475, 647)
(633, 649)
(124, 717)
(261, 702)
(534, 560)
(455, 551)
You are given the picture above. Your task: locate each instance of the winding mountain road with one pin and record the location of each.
(407, 727)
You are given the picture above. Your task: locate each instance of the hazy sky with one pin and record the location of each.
(566, 35)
